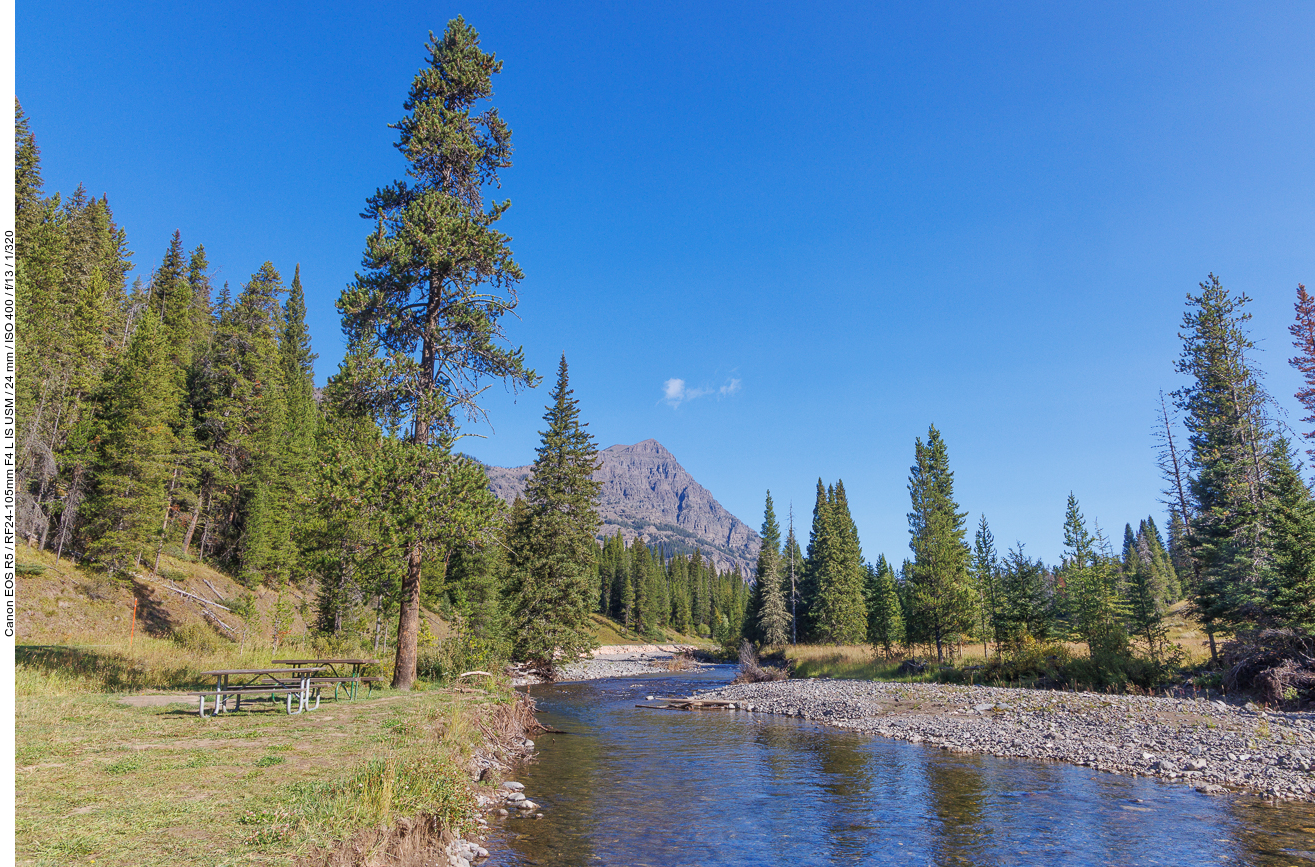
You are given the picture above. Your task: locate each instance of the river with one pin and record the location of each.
(632, 787)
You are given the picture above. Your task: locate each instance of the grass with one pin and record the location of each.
(100, 780)
(608, 632)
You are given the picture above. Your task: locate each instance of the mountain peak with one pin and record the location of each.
(646, 492)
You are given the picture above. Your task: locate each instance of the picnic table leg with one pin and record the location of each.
(220, 681)
(202, 697)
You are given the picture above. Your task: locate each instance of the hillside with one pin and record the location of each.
(646, 492)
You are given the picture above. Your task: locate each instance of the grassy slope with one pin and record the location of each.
(99, 780)
(608, 632)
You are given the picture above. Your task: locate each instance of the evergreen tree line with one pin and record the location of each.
(154, 413)
(648, 590)
(160, 417)
(1240, 546)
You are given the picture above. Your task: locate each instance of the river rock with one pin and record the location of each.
(513, 787)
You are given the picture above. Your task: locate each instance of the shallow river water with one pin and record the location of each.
(631, 787)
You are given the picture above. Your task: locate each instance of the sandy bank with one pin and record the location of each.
(1212, 745)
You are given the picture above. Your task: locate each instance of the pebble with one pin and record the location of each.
(1215, 745)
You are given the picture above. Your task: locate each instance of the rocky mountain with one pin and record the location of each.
(646, 492)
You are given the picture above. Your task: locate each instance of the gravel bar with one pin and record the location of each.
(1210, 744)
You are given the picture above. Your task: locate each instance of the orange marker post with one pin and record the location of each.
(132, 633)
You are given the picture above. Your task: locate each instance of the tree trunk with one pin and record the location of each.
(191, 528)
(378, 619)
(408, 624)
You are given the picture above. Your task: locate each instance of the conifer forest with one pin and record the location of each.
(161, 411)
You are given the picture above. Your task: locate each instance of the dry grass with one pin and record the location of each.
(99, 780)
(608, 632)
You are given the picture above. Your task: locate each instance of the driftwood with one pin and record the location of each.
(691, 704)
(205, 605)
(200, 599)
(219, 597)
(472, 673)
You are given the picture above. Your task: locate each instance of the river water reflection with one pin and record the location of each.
(632, 787)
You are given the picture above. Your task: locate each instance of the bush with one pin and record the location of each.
(453, 656)
(198, 638)
(1277, 665)
(752, 672)
(30, 569)
(1032, 660)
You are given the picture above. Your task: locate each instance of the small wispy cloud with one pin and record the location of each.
(675, 391)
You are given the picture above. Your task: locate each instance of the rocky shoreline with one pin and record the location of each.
(614, 661)
(1213, 745)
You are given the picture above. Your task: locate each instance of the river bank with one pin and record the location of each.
(616, 661)
(1212, 745)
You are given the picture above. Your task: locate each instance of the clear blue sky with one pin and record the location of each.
(835, 226)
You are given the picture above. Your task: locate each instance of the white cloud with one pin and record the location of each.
(676, 392)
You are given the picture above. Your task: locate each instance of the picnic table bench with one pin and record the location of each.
(350, 678)
(260, 682)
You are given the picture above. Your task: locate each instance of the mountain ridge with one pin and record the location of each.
(646, 492)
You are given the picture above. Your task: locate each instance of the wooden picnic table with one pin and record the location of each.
(350, 678)
(260, 681)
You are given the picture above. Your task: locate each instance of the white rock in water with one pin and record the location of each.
(527, 805)
(515, 796)
(513, 787)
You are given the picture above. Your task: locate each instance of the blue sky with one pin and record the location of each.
(833, 227)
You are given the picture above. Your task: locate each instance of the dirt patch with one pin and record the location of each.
(156, 700)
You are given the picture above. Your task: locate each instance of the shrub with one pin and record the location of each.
(1277, 665)
(198, 638)
(453, 656)
(30, 568)
(752, 672)
(1029, 659)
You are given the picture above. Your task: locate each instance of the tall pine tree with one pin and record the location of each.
(552, 545)
(438, 277)
(939, 592)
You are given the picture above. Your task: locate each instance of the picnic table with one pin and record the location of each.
(255, 683)
(349, 678)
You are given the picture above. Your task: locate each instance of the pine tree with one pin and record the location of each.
(773, 625)
(839, 611)
(438, 277)
(1027, 612)
(297, 464)
(28, 186)
(1303, 339)
(986, 580)
(792, 566)
(1093, 601)
(553, 545)
(940, 594)
(1224, 410)
(1292, 540)
(243, 411)
(885, 618)
(769, 556)
(134, 444)
(1145, 597)
(804, 618)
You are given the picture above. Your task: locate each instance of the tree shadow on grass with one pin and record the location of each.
(107, 672)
